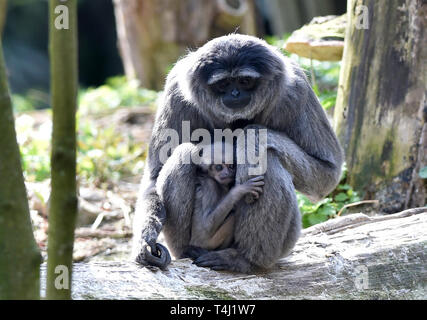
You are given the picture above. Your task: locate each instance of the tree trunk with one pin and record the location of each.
(351, 257)
(19, 256)
(3, 10)
(63, 199)
(381, 105)
(153, 34)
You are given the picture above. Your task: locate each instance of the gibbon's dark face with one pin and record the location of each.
(233, 77)
(235, 91)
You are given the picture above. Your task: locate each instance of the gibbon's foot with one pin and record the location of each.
(193, 252)
(224, 260)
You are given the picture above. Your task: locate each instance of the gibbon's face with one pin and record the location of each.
(223, 173)
(235, 77)
(235, 91)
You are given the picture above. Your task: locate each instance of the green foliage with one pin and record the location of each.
(329, 207)
(423, 173)
(34, 142)
(105, 154)
(327, 98)
(116, 93)
(21, 103)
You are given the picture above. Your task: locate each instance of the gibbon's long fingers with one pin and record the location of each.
(160, 258)
(258, 178)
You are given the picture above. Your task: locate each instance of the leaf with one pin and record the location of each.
(344, 187)
(305, 221)
(328, 102)
(354, 198)
(316, 90)
(423, 173)
(327, 211)
(316, 218)
(341, 197)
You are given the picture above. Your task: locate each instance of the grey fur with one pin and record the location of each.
(303, 154)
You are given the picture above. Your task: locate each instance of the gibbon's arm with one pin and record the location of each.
(305, 142)
(150, 213)
(214, 218)
(311, 175)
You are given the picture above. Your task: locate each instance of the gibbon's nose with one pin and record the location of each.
(235, 93)
(224, 175)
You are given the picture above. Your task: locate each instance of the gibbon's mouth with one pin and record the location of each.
(226, 179)
(239, 103)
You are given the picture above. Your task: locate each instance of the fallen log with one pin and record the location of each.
(350, 257)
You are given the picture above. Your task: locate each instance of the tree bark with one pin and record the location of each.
(19, 255)
(63, 199)
(351, 257)
(3, 11)
(381, 105)
(154, 33)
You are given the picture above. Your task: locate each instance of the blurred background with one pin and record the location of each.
(25, 37)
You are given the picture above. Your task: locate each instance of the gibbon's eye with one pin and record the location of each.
(247, 83)
(231, 166)
(218, 167)
(222, 85)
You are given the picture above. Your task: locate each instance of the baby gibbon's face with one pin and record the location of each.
(223, 173)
